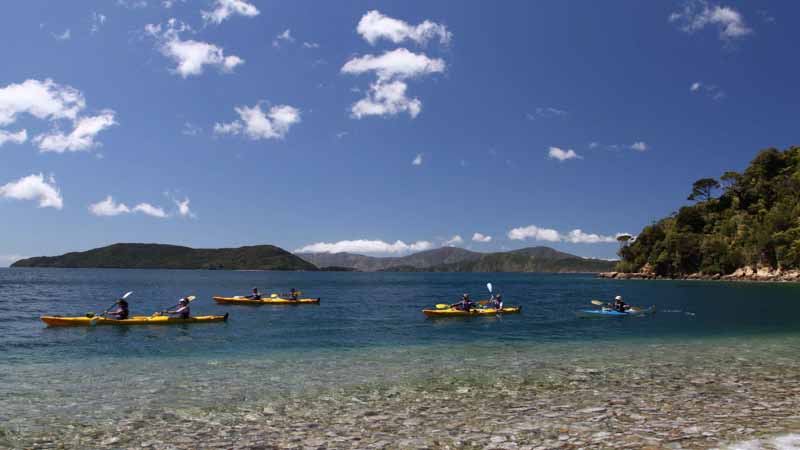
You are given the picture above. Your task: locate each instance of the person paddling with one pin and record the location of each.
(464, 305)
(293, 294)
(182, 311)
(121, 312)
(496, 302)
(255, 295)
(619, 305)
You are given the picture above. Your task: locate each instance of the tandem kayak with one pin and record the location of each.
(266, 301)
(57, 321)
(605, 312)
(448, 312)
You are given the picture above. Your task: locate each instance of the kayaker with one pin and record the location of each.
(293, 294)
(464, 305)
(620, 305)
(182, 311)
(121, 312)
(496, 301)
(255, 295)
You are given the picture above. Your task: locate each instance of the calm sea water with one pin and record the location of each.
(369, 328)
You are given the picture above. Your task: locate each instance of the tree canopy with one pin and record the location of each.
(754, 221)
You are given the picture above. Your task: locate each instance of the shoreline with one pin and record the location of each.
(740, 275)
(651, 396)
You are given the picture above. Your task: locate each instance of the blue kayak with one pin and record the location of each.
(607, 312)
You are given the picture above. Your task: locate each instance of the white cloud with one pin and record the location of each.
(98, 20)
(374, 26)
(170, 3)
(183, 208)
(576, 236)
(41, 99)
(546, 112)
(17, 138)
(190, 55)
(535, 233)
(594, 144)
(108, 207)
(286, 36)
(259, 124)
(132, 4)
(190, 129)
(34, 187)
(341, 134)
(310, 45)
(480, 237)
(417, 160)
(223, 9)
(386, 99)
(562, 155)
(7, 260)
(65, 36)
(150, 210)
(698, 14)
(695, 86)
(396, 64)
(639, 146)
(455, 240)
(366, 246)
(710, 90)
(81, 137)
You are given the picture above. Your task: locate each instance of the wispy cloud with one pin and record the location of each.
(562, 155)
(190, 129)
(453, 241)
(224, 9)
(546, 112)
(417, 160)
(711, 90)
(698, 14)
(98, 20)
(366, 246)
(65, 36)
(285, 36)
(480, 237)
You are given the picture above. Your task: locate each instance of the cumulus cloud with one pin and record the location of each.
(17, 138)
(455, 240)
(183, 208)
(286, 36)
(387, 96)
(480, 237)
(576, 236)
(417, 160)
(223, 9)
(366, 246)
(698, 14)
(639, 146)
(41, 99)
(150, 210)
(374, 26)
(80, 138)
(562, 155)
(257, 124)
(191, 56)
(34, 187)
(535, 233)
(108, 207)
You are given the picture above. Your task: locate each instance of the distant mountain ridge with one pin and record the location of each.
(454, 259)
(162, 256)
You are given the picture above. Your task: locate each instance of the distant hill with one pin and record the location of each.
(453, 259)
(160, 256)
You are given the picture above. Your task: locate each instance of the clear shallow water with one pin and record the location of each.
(367, 331)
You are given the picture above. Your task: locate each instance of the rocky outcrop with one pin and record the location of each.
(746, 273)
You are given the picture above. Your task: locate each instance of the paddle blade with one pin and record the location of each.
(442, 306)
(489, 287)
(635, 309)
(597, 302)
(273, 296)
(191, 298)
(127, 294)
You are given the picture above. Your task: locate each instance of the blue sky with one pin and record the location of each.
(354, 125)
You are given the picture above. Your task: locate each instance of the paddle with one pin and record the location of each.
(598, 303)
(442, 306)
(94, 319)
(158, 313)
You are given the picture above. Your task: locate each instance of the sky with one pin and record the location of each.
(378, 127)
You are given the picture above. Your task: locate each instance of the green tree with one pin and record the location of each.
(703, 189)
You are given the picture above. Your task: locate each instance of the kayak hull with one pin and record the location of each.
(57, 321)
(266, 301)
(473, 312)
(600, 313)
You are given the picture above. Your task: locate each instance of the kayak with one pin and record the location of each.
(266, 301)
(58, 321)
(448, 312)
(605, 312)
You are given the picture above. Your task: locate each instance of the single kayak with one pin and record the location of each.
(448, 312)
(266, 301)
(606, 312)
(58, 321)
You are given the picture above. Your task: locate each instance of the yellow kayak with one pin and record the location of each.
(266, 301)
(57, 321)
(447, 312)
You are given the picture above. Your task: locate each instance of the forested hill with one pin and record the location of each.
(160, 256)
(742, 219)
